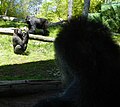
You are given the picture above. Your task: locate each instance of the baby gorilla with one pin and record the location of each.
(20, 40)
(90, 62)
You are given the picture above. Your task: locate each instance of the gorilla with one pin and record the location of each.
(39, 23)
(89, 60)
(20, 41)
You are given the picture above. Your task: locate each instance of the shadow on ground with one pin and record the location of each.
(33, 70)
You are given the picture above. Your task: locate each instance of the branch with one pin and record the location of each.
(41, 38)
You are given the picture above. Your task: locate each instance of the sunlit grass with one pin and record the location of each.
(36, 51)
(38, 62)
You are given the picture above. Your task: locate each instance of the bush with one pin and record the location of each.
(111, 16)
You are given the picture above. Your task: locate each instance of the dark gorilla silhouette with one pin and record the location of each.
(90, 62)
(39, 23)
(20, 41)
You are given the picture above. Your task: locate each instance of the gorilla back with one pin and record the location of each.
(37, 23)
(90, 62)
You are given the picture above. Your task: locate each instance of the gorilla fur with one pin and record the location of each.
(90, 62)
(37, 23)
(20, 41)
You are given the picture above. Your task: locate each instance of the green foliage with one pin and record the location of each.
(77, 7)
(111, 16)
(54, 9)
(18, 8)
(95, 16)
(95, 5)
(5, 24)
(54, 30)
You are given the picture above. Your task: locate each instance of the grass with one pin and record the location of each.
(38, 62)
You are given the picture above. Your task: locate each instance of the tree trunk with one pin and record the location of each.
(86, 8)
(6, 12)
(70, 4)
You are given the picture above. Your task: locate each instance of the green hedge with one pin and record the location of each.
(95, 16)
(111, 16)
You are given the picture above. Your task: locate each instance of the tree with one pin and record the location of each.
(34, 6)
(54, 10)
(8, 7)
(19, 8)
(70, 5)
(86, 8)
